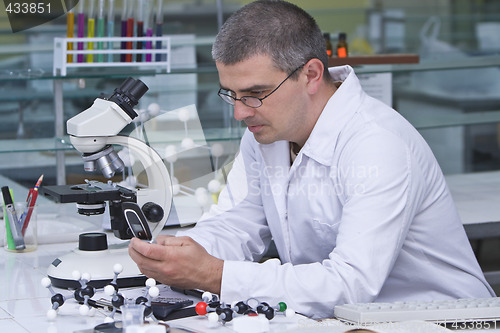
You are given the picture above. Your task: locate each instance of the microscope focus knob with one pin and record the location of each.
(153, 212)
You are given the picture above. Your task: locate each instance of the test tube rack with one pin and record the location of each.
(61, 52)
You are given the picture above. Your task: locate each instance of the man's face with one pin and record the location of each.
(282, 114)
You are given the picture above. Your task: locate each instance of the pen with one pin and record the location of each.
(30, 204)
(10, 212)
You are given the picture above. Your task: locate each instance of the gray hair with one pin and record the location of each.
(279, 29)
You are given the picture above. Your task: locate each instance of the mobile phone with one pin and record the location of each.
(136, 221)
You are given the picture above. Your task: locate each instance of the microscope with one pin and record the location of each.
(141, 212)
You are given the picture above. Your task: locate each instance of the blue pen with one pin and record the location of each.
(10, 212)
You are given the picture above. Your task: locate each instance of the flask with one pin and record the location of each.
(329, 48)
(342, 50)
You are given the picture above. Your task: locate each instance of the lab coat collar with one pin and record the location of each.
(320, 145)
(339, 109)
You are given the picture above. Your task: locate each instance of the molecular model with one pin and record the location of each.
(85, 292)
(218, 312)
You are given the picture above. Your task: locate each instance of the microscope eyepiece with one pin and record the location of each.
(128, 94)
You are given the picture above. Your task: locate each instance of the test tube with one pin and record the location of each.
(130, 30)
(123, 45)
(111, 27)
(80, 28)
(100, 29)
(70, 26)
(158, 27)
(91, 30)
(140, 28)
(148, 27)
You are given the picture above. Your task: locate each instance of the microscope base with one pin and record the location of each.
(99, 264)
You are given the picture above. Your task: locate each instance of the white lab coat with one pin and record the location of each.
(362, 215)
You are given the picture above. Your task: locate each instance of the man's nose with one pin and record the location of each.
(242, 111)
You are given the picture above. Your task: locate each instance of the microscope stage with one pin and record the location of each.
(87, 193)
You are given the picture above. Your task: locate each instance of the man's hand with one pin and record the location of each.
(179, 262)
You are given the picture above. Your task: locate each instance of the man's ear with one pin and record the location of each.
(314, 73)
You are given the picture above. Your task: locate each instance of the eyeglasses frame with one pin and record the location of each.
(241, 99)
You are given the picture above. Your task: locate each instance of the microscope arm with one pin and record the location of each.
(159, 188)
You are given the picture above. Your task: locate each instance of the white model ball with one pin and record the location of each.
(51, 314)
(217, 150)
(84, 310)
(108, 320)
(171, 153)
(154, 109)
(109, 290)
(214, 186)
(86, 276)
(206, 296)
(289, 313)
(46, 282)
(76, 275)
(117, 268)
(201, 195)
(213, 319)
(154, 291)
(143, 116)
(187, 143)
(150, 282)
(184, 115)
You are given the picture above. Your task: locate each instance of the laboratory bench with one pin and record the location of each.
(24, 303)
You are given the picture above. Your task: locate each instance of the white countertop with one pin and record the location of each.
(24, 302)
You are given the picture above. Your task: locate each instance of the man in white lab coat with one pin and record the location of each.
(347, 189)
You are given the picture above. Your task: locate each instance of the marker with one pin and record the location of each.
(30, 204)
(8, 232)
(10, 211)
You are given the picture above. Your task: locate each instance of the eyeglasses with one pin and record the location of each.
(228, 96)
